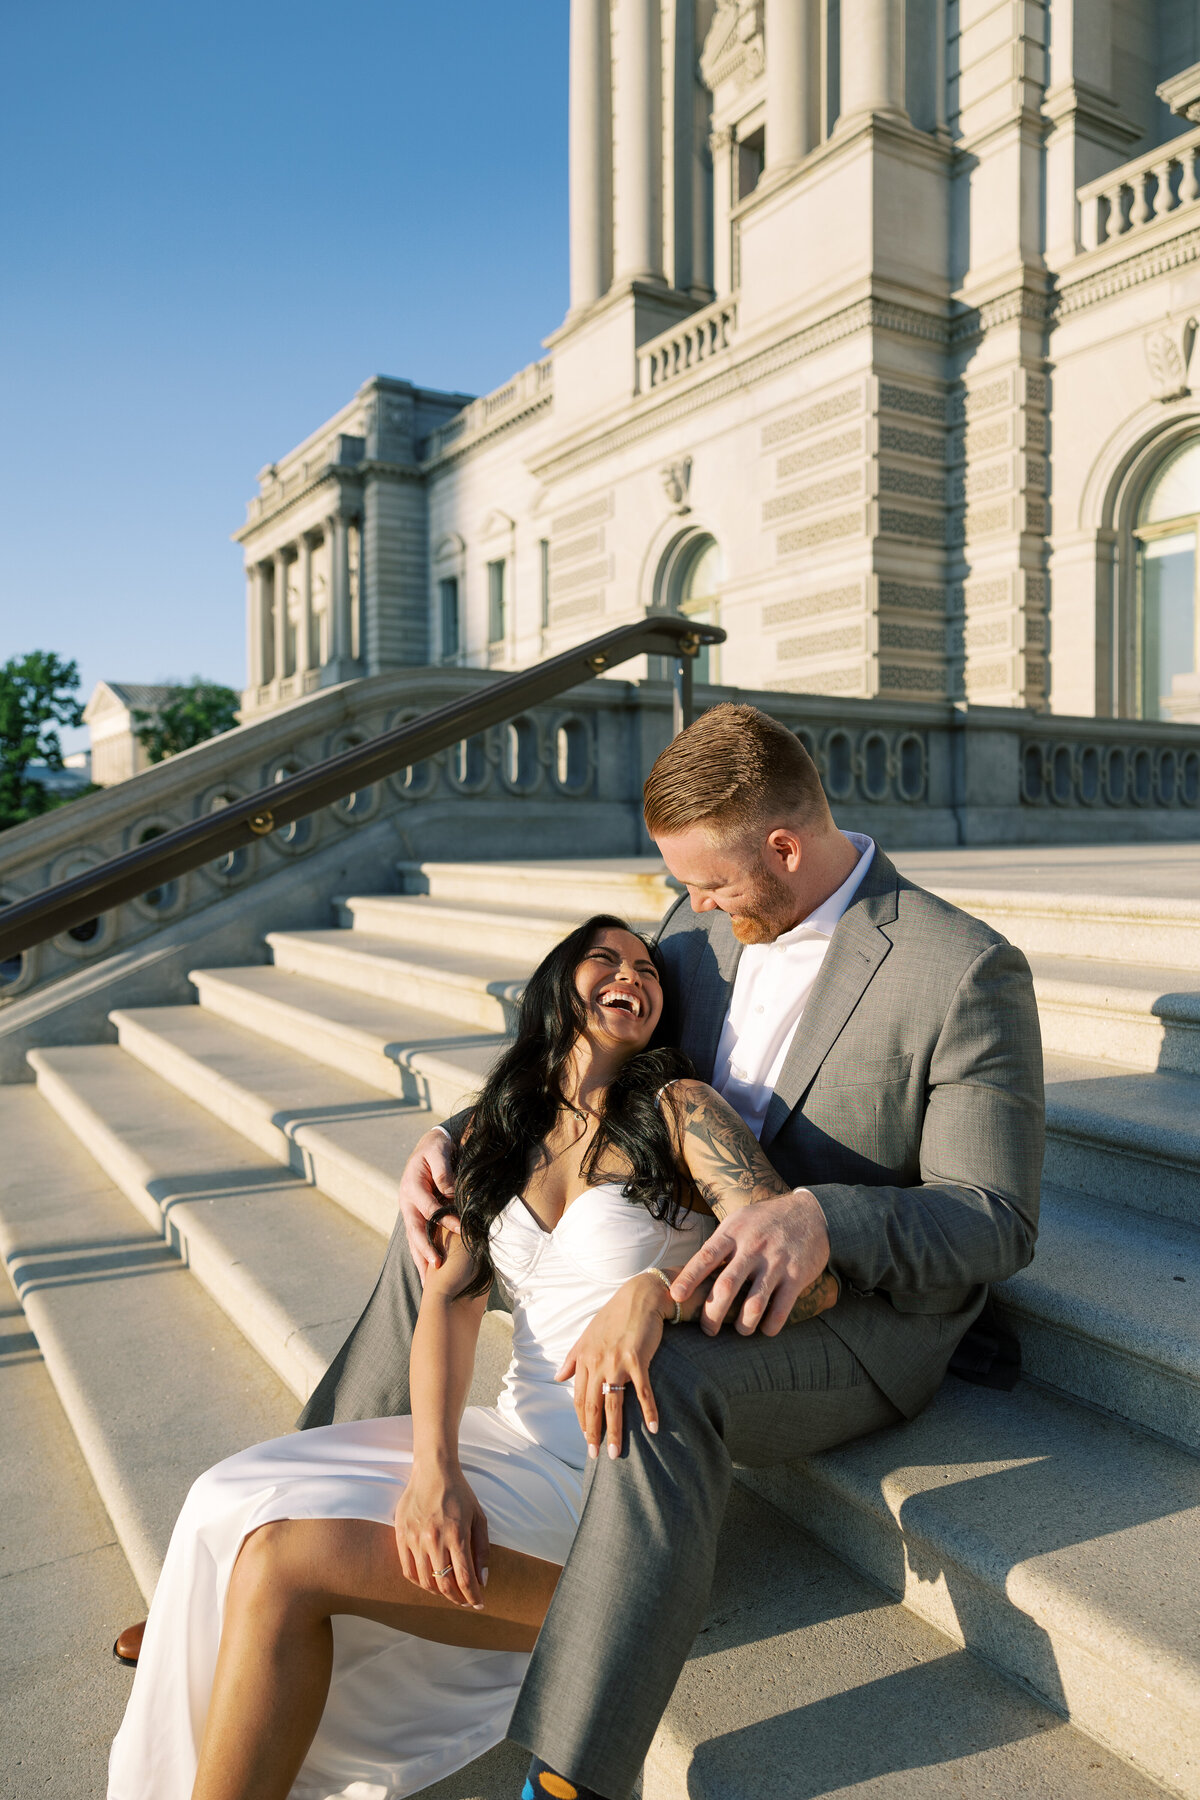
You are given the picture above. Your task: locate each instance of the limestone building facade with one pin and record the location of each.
(878, 353)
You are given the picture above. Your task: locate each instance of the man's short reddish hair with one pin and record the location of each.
(734, 770)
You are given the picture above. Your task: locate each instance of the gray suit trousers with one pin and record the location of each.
(635, 1588)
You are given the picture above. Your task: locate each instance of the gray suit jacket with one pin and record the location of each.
(910, 1102)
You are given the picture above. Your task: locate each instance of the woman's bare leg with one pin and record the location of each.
(276, 1653)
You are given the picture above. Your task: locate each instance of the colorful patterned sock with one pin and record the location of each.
(543, 1783)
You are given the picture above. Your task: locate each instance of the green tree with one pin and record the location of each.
(37, 692)
(196, 711)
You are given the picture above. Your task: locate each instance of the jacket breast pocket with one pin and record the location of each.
(882, 1071)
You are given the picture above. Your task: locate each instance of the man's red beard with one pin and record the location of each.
(769, 908)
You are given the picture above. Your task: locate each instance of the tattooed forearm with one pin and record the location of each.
(721, 1153)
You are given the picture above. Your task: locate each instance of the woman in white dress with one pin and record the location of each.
(348, 1611)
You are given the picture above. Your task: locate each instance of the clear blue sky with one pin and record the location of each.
(217, 220)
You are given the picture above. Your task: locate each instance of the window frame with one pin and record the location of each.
(449, 653)
(497, 601)
(1143, 534)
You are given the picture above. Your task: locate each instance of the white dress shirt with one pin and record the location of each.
(770, 992)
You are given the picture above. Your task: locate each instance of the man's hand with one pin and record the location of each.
(426, 1184)
(781, 1249)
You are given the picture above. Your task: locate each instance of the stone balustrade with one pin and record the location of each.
(685, 346)
(562, 780)
(547, 759)
(531, 387)
(1127, 199)
(1089, 771)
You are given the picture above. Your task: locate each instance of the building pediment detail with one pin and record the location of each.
(733, 50)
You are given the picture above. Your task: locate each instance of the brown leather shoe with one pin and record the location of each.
(128, 1646)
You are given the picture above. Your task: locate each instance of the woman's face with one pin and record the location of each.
(619, 986)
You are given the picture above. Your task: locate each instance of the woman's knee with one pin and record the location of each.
(269, 1570)
(684, 1391)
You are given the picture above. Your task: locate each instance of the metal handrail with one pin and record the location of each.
(97, 890)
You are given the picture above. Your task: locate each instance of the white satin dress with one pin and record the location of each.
(402, 1712)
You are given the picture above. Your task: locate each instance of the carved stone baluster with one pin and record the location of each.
(1189, 187)
(1164, 200)
(1139, 212)
(1116, 210)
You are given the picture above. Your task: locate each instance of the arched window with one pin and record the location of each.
(697, 587)
(1168, 606)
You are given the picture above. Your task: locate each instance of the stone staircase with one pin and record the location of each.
(193, 1216)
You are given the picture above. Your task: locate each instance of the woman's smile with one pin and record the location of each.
(618, 983)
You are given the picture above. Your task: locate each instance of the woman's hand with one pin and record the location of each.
(442, 1537)
(617, 1348)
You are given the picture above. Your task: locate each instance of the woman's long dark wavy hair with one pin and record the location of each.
(523, 1096)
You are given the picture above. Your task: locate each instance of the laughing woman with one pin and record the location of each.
(349, 1611)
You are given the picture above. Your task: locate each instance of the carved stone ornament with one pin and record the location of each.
(676, 480)
(1168, 353)
(733, 48)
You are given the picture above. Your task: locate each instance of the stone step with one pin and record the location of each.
(1060, 1545)
(1159, 931)
(467, 987)
(1125, 1136)
(375, 1041)
(67, 1589)
(328, 1128)
(1109, 1312)
(281, 1260)
(806, 1682)
(285, 1263)
(635, 887)
(511, 932)
(155, 1380)
(1142, 1017)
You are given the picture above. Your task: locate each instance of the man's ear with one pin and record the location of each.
(784, 847)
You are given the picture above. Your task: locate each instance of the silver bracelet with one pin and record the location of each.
(677, 1316)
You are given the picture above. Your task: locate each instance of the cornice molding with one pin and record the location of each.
(1025, 300)
(455, 452)
(869, 314)
(1142, 266)
(320, 478)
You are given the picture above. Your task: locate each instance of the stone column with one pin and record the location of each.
(639, 142)
(254, 626)
(304, 635)
(590, 147)
(281, 614)
(872, 59)
(339, 587)
(791, 129)
(267, 629)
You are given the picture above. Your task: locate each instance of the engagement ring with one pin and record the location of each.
(613, 1387)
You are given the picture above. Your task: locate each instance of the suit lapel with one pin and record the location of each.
(706, 999)
(857, 948)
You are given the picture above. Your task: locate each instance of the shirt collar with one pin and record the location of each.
(824, 918)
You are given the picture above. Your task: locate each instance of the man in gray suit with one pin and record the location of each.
(885, 1048)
